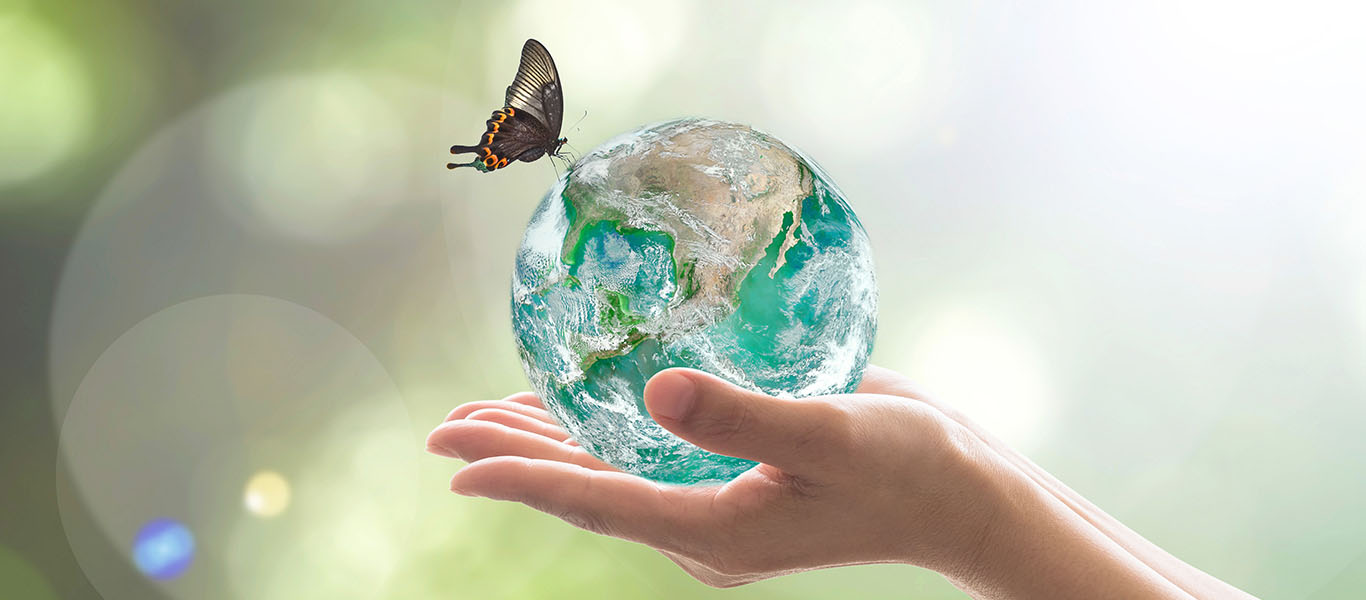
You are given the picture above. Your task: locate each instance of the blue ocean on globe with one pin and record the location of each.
(692, 243)
(163, 549)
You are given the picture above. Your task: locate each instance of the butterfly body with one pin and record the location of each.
(528, 126)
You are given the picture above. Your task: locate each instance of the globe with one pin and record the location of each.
(692, 243)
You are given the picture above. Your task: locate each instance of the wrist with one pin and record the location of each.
(950, 529)
(1031, 545)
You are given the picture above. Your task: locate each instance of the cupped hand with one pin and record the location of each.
(874, 476)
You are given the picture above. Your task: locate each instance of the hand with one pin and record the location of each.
(882, 475)
(846, 479)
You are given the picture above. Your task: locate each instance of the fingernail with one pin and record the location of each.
(675, 400)
(436, 448)
(440, 450)
(457, 489)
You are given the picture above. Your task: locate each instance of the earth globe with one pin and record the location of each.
(692, 243)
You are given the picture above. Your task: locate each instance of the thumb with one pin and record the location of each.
(727, 419)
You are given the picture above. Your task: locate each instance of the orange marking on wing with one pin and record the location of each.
(487, 152)
(495, 128)
(501, 117)
(490, 161)
(511, 112)
(490, 136)
(502, 163)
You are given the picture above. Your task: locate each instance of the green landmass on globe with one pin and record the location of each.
(692, 243)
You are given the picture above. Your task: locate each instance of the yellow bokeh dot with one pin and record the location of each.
(45, 110)
(267, 494)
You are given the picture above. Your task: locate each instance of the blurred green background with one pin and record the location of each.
(1129, 238)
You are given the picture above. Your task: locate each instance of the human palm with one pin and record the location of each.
(807, 505)
(886, 474)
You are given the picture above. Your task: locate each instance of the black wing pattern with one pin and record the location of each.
(536, 88)
(518, 137)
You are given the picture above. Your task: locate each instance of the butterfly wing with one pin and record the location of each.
(528, 126)
(536, 88)
(512, 135)
(520, 137)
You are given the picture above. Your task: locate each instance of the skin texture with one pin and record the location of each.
(884, 475)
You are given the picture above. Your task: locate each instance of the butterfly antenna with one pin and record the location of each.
(575, 127)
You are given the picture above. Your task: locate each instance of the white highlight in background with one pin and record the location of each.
(1351, 240)
(989, 372)
(46, 106)
(315, 157)
(865, 89)
(622, 56)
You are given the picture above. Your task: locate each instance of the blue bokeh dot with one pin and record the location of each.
(163, 549)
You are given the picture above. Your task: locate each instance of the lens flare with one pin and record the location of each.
(177, 418)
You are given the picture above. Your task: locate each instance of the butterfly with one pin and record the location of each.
(528, 126)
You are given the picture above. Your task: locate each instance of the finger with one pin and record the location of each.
(510, 403)
(604, 502)
(722, 417)
(886, 382)
(471, 441)
(879, 380)
(519, 421)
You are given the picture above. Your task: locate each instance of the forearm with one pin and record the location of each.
(1194, 581)
(1036, 546)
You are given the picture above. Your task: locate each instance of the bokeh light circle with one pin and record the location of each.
(175, 223)
(163, 548)
(316, 157)
(185, 406)
(46, 104)
(266, 494)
